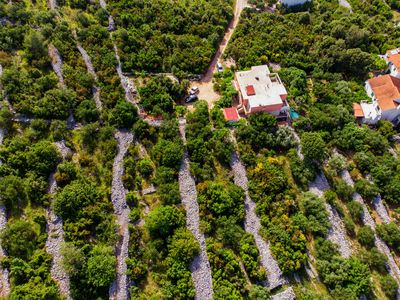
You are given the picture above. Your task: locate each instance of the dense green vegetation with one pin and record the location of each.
(156, 36)
(323, 54)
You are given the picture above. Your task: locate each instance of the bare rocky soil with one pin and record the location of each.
(200, 266)
(119, 289)
(56, 63)
(55, 238)
(252, 225)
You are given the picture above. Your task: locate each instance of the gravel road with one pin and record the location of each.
(55, 238)
(379, 243)
(119, 289)
(252, 225)
(200, 266)
(56, 63)
(337, 232)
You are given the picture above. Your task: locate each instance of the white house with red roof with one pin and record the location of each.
(260, 90)
(384, 92)
(392, 57)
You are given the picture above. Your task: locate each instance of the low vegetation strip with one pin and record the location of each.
(336, 232)
(368, 220)
(252, 225)
(200, 266)
(55, 237)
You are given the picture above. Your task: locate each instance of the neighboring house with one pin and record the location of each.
(293, 2)
(392, 57)
(385, 105)
(260, 90)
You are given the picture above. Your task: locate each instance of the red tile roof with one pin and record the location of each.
(250, 91)
(394, 56)
(231, 114)
(395, 59)
(386, 89)
(358, 112)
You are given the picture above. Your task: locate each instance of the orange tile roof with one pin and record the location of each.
(394, 56)
(386, 89)
(358, 112)
(250, 91)
(231, 114)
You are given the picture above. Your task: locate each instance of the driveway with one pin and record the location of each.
(205, 85)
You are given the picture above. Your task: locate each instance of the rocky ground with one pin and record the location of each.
(369, 221)
(56, 63)
(381, 210)
(91, 71)
(55, 238)
(252, 225)
(119, 289)
(52, 4)
(287, 294)
(4, 275)
(200, 266)
(337, 232)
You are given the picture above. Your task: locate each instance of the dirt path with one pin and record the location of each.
(119, 289)
(55, 238)
(200, 266)
(205, 85)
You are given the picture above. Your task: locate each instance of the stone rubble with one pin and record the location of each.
(287, 294)
(127, 85)
(252, 225)
(337, 231)
(367, 219)
(52, 4)
(381, 209)
(56, 63)
(55, 237)
(91, 71)
(119, 289)
(200, 266)
(4, 274)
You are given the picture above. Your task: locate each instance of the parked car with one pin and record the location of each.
(219, 67)
(194, 90)
(191, 98)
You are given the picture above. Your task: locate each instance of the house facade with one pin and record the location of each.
(260, 90)
(392, 58)
(384, 92)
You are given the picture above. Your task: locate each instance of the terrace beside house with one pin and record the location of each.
(261, 91)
